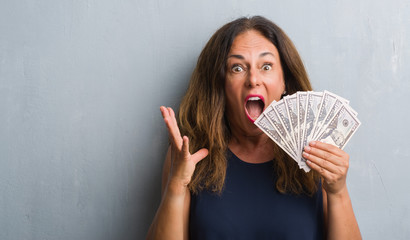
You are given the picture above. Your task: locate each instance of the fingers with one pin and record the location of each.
(171, 123)
(199, 155)
(322, 163)
(196, 157)
(323, 171)
(330, 162)
(327, 156)
(327, 147)
(319, 154)
(185, 147)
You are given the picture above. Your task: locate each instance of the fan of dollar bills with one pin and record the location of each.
(297, 119)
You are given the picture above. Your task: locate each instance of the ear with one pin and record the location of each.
(283, 94)
(284, 91)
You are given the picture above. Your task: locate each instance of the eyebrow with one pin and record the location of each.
(242, 57)
(266, 53)
(236, 56)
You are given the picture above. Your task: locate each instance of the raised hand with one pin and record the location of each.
(330, 162)
(182, 161)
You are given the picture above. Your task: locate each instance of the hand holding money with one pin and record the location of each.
(330, 162)
(303, 117)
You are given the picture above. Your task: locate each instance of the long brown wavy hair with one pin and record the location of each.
(202, 117)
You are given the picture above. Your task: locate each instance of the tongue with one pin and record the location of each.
(254, 108)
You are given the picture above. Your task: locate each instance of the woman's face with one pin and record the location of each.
(254, 78)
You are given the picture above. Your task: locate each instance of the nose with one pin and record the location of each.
(253, 78)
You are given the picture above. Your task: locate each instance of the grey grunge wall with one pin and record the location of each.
(82, 141)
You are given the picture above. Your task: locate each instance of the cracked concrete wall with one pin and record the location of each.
(81, 137)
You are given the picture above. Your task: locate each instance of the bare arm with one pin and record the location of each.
(341, 222)
(332, 164)
(171, 219)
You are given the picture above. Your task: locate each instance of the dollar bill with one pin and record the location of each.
(263, 123)
(282, 113)
(301, 106)
(332, 112)
(340, 128)
(328, 99)
(313, 101)
(292, 110)
(344, 100)
(274, 118)
(300, 118)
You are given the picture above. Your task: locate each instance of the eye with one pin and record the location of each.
(237, 68)
(267, 67)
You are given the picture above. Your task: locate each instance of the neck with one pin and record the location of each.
(254, 149)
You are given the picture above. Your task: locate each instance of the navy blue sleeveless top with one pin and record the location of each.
(250, 207)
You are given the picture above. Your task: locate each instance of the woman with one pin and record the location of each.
(223, 178)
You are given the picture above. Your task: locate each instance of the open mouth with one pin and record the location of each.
(254, 105)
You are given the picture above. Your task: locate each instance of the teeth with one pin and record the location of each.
(254, 98)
